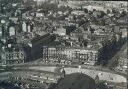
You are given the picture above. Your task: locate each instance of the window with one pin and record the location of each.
(9, 56)
(91, 56)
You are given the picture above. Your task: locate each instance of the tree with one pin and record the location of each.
(57, 70)
(108, 11)
(85, 43)
(114, 10)
(97, 80)
(102, 85)
(124, 13)
(92, 30)
(86, 10)
(102, 14)
(63, 73)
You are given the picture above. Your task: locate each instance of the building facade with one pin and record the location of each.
(10, 58)
(79, 55)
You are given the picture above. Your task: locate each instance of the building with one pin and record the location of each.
(12, 53)
(24, 27)
(86, 55)
(27, 26)
(12, 31)
(60, 31)
(84, 47)
(4, 23)
(15, 57)
(122, 61)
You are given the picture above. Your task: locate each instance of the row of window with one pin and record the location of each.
(14, 56)
(72, 56)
